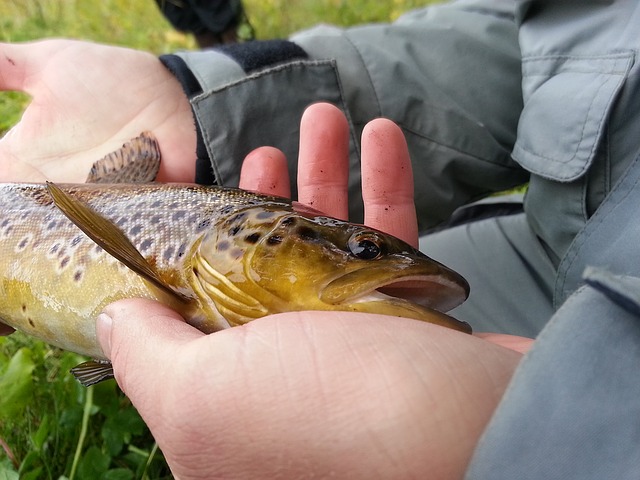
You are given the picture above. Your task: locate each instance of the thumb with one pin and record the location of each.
(142, 338)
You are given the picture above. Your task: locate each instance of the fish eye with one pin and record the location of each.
(365, 245)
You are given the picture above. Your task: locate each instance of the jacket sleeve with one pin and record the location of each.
(449, 75)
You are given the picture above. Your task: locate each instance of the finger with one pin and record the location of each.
(323, 162)
(265, 170)
(140, 337)
(387, 181)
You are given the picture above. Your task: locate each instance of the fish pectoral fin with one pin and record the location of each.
(92, 372)
(137, 161)
(108, 236)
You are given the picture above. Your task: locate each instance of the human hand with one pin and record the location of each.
(387, 178)
(307, 394)
(87, 100)
(312, 393)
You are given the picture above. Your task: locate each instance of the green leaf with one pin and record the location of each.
(8, 473)
(16, 384)
(93, 465)
(31, 463)
(35, 474)
(118, 474)
(120, 427)
(41, 434)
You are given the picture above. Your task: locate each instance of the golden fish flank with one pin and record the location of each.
(219, 256)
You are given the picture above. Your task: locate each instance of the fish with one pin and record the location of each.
(219, 256)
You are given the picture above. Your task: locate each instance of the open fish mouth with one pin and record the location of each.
(421, 297)
(441, 291)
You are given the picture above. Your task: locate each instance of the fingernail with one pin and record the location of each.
(103, 332)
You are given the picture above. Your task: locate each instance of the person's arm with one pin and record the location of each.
(449, 75)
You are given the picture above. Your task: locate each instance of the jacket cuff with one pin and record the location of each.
(234, 62)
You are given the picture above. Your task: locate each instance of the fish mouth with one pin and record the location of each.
(441, 290)
(423, 296)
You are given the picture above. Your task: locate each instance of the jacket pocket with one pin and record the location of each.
(567, 103)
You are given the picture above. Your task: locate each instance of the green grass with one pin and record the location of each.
(50, 426)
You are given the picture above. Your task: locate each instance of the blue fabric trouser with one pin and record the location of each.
(510, 274)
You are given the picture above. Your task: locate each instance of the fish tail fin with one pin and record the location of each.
(92, 372)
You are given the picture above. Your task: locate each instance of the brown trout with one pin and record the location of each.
(219, 256)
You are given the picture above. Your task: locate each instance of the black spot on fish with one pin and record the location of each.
(155, 220)
(122, 221)
(54, 249)
(77, 276)
(226, 210)
(274, 240)
(31, 322)
(4, 223)
(24, 308)
(136, 216)
(223, 245)
(252, 238)
(237, 217)
(234, 231)
(76, 241)
(182, 250)
(146, 244)
(204, 224)
(178, 215)
(157, 204)
(307, 233)
(23, 243)
(289, 222)
(52, 225)
(65, 261)
(135, 230)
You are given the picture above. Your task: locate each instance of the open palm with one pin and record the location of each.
(87, 100)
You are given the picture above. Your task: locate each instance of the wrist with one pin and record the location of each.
(178, 138)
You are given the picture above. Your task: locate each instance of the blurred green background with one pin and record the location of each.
(50, 426)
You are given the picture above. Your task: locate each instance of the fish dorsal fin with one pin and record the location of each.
(137, 161)
(92, 372)
(108, 236)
